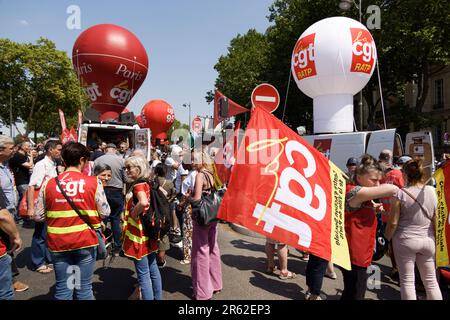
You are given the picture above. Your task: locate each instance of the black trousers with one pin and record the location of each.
(355, 283)
(315, 271)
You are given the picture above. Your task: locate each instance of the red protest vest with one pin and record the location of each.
(66, 230)
(135, 243)
(2, 247)
(360, 229)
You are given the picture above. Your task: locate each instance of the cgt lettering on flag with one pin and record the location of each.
(296, 198)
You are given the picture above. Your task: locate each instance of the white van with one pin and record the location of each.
(90, 133)
(338, 147)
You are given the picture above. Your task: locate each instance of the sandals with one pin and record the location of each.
(287, 275)
(44, 269)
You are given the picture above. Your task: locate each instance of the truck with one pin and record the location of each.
(90, 133)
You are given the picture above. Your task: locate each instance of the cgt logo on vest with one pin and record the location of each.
(72, 188)
(363, 51)
(303, 60)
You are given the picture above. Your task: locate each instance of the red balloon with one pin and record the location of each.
(111, 64)
(138, 119)
(157, 115)
(161, 136)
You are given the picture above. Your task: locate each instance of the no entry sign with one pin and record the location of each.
(266, 96)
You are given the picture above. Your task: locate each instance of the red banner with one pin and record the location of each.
(285, 189)
(68, 135)
(233, 107)
(226, 157)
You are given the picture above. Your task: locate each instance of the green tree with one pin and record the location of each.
(176, 125)
(412, 41)
(241, 70)
(41, 80)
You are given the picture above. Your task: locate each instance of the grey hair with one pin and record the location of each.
(99, 168)
(5, 140)
(141, 163)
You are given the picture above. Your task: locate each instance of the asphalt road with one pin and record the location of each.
(243, 266)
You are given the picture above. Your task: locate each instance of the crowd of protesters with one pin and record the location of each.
(111, 187)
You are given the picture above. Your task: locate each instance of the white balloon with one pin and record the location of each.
(332, 61)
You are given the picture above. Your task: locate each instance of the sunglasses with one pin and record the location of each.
(129, 167)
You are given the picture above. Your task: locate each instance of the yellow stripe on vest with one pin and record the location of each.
(65, 230)
(134, 223)
(71, 213)
(136, 239)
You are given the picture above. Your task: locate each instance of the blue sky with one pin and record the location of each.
(183, 39)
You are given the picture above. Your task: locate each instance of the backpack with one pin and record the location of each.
(156, 220)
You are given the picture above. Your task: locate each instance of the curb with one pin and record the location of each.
(245, 231)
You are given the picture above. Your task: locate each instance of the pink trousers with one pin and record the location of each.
(206, 266)
(420, 251)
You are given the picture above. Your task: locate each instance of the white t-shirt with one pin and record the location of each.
(180, 172)
(171, 171)
(189, 182)
(43, 170)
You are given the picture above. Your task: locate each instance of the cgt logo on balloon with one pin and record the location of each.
(121, 92)
(363, 51)
(303, 56)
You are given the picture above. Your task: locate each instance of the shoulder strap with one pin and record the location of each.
(73, 205)
(208, 179)
(420, 205)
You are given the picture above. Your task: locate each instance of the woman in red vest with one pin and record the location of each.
(71, 241)
(136, 244)
(361, 223)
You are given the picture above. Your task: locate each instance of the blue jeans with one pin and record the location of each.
(6, 290)
(116, 202)
(149, 277)
(315, 271)
(39, 251)
(73, 272)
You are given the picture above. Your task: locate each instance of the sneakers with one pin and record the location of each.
(307, 295)
(177, 244)
(116, 252)
(314, 297)
(20, 286)
(175, 235)
(161, 264)
(331, 275)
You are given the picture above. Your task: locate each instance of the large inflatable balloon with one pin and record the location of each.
(111, 64)
(157, 115)
(333, 60)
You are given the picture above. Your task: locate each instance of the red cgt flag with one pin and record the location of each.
(226, 157)
(219, 103)
(283, 188)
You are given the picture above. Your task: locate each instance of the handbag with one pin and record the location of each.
(23, 205)
(204, 210)
(101, 248)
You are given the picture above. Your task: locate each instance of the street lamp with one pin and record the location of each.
(345, 5)
(188, 105)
